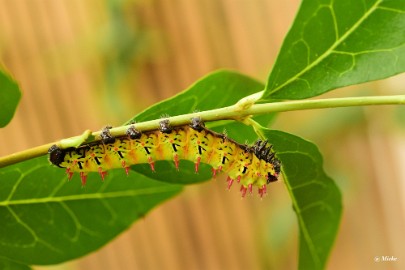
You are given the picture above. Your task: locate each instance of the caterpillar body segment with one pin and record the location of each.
(248, 165)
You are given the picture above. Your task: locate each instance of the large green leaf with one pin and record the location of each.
(315, 197)
(9, 97)
(334, 43)
(218, 89)
(46, 220)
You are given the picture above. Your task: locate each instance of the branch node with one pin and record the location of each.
(247, 102)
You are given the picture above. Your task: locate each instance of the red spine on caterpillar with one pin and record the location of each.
(250, 166)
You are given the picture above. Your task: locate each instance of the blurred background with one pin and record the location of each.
(85, 64)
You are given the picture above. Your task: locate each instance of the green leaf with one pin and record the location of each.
(216, 90)
(315, 197)
(338, 43)
(46, 219)
(10, 95)
(9, 265)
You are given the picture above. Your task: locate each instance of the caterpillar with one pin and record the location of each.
(254, 165)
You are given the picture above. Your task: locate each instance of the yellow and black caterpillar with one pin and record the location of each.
(248, 165)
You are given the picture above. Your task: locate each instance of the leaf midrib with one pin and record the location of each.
(91, 196)
(303, 226)
(330, 50)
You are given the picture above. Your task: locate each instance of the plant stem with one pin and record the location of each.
(233, 112)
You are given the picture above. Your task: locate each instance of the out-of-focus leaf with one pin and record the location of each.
(10, 95)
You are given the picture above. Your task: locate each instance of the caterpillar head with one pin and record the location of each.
(56, 155)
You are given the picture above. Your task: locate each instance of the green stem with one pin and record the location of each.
(256, 127)
(237, 112)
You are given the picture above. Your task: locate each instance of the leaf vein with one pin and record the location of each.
(91, 196)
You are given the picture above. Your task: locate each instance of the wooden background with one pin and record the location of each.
(84, 64)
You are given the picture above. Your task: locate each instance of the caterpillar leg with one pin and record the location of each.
(230, 182)
(262, 191)
(124, 165)
(152, 164)
(69, 173)
(83, 177)
(197, 164)
(176, 161)
(102, 173)
(243, 190)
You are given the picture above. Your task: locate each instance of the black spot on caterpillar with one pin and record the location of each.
(250, 166)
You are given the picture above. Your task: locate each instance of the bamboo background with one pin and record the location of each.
(85, 64)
